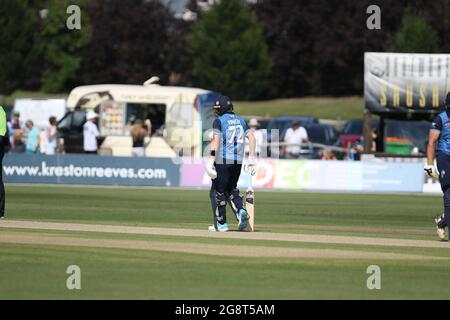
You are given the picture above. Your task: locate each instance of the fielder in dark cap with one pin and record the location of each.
(439, 148)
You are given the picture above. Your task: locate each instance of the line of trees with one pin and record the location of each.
(273, 48)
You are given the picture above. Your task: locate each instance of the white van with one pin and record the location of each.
(184, 114)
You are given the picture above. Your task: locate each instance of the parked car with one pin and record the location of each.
(321, 133)
(353, 131)
(263, 121)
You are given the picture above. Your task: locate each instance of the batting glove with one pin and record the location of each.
(210, 168)
(431, 171)
(250, 166)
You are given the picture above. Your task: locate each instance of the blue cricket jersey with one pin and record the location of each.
(442, 124)
(232, 130)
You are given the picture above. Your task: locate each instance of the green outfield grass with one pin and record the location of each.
(190, 208)
(35, 271)
(336, 108)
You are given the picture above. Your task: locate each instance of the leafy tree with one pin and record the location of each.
(318, 46)
(415, 35)
(131, 41)
(229, 53)
(178, 57)
(17, 26)
(61, 47)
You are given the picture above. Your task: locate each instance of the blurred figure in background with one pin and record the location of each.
(373, 147)
(138, 134)
(154, 119)
(253, 124)
(32, 145)
(50, 137)
(130, 122)
(13, 126)
(18, 145)
(15, 123)
(356, 149)
(42, 138)
(90, 133)
(328, 154)
(4, 143)
(295, 136)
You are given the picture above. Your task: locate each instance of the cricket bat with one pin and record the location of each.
(250, 206)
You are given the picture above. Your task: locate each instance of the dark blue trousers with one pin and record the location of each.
(227, 177)
(225, 186)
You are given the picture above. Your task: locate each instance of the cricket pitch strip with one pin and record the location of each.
(215, 249)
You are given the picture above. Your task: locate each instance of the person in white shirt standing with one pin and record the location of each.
(295, 136)
(90, 133)
(253, 124)
(50, 137)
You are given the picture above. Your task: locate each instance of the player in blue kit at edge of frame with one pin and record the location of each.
(225, 162)
(439, 148)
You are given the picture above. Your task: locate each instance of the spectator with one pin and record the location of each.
(295, 136)
(373, 147)
(25, 131)
(138, 134)
(154, 119)
(130, 123)
(13, 125)
(253, 124)
(356, 149)
(15, 121)
(328, 154)
(19, 146)
(32, 145)
(132, 120)
(42, 138)
(50, 138)
(90, 133)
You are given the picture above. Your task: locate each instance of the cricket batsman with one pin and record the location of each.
(439, 147)
(225, 162)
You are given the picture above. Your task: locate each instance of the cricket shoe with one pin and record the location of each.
(243, 217)
(440, 226)
(222, 227)
(212, 229)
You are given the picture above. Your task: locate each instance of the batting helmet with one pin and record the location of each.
(223, 105)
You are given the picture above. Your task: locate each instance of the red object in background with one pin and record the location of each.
(398, 140)
(347, 139)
